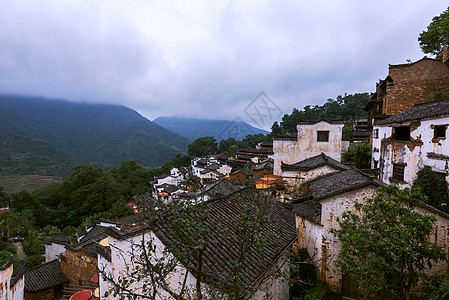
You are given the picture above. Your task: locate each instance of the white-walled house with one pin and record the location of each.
(412, 140)
(317, 210)
(310, 168)
(312, 138)
(219, 256)
(11, 287)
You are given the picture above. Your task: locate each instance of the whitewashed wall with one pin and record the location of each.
(306, 145)
(53, 250)
(413, 153)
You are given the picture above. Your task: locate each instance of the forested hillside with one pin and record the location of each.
(48, 137)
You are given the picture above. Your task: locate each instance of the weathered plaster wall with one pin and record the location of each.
(53, 250)
(292, 151)
(18, 290)
(413, 153)
(332, 208)
(5, 279)
(310, 237)
(323, 246)
(120, 265)
(275, 288)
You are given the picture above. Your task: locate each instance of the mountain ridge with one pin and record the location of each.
(48, 136)
(194, 128)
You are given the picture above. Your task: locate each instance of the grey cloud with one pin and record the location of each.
(205, 60)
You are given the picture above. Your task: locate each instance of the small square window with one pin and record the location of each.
(376, 133)
(439, 132)
(398, 172)
(322, 136)
(402, 133)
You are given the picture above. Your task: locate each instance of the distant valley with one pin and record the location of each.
(48, 137)
(193, 128)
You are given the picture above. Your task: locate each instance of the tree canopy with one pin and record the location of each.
(343, 107)
(436, 37)
(386, 245)
(203, 146)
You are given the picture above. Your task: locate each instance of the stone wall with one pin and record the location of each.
(79, 269)
(414, 83)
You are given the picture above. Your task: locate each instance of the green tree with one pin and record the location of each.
(4, 198)
(347, 107)
(360, 153)
(132, 179)
(226, 144)
(203, 146)
(435, 187)
(385, 243)
(436, 37)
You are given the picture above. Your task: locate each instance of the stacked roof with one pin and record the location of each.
(278, 230)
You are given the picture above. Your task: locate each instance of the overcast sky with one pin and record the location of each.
(208, 58)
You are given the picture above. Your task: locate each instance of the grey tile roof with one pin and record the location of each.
(330, 185)
(314, 162)
(279, 230)
(58, 238)
(310, 209)
(44, 276)
(341, 182)
(97, 233)
(287, 136)
(266, 164)
(224, 187)
(427, 110)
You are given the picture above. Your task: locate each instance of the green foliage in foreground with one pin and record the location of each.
(386, 244)
(434, 186)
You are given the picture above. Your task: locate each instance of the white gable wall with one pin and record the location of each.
(306, 145)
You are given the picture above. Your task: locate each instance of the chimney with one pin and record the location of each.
(446, 53)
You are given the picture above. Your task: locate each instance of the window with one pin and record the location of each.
(402, 133)
(376, 133)
(439, 132)
(398, 172)
(322, 136)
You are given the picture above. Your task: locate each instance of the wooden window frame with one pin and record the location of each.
(398, 173)
(320, 134)
(437, 130)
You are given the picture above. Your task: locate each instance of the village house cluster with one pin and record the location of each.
(302, 173)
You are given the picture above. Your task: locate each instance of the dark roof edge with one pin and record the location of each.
(332, 121)
(410, 64)
(7, 264)
(352, 188)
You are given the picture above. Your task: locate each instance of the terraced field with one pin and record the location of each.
(17, 183)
